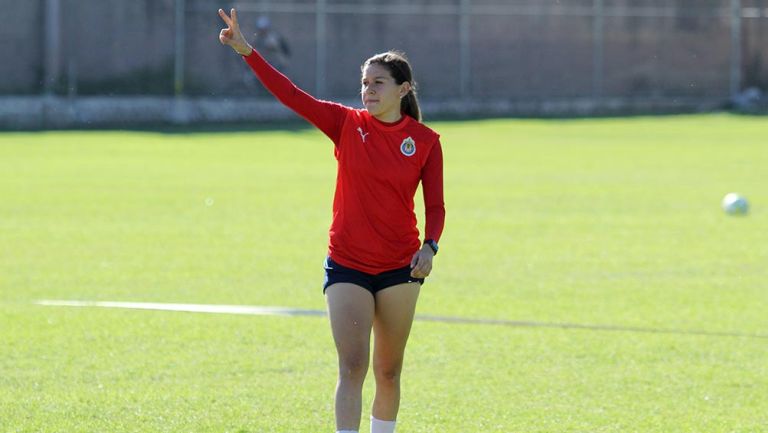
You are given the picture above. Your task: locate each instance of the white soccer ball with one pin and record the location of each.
(734, 204)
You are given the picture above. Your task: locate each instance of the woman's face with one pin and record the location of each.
(381, 94)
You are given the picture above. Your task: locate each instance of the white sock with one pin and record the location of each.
(346, 431)
(379, 426)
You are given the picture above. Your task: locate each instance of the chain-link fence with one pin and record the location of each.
(477, 50)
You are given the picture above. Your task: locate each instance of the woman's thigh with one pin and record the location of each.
(351, 310)
(395, 309)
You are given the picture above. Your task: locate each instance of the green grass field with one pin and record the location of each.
(614, 224)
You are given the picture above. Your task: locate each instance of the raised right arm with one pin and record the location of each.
(326, 116)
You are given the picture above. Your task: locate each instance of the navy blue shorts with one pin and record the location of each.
(335, 273)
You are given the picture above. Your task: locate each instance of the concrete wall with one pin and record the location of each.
(755, 45)
(519, 50)
(21, 47)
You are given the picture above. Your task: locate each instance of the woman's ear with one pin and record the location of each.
(405, 88)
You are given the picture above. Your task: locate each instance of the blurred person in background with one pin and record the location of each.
(271, 44)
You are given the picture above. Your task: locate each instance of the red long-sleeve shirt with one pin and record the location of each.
(379, 168)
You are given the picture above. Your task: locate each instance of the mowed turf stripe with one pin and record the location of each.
(287, 311)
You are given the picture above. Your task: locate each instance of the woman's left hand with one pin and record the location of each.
(421, 263)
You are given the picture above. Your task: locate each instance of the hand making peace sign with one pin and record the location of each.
(232, 35)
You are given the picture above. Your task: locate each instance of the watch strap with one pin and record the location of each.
(432, 244)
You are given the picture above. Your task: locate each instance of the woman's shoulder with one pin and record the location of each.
(423, 130)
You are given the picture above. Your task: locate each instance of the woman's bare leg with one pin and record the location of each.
(351, 311)
(395, 308)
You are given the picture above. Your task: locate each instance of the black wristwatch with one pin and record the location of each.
(432, 244)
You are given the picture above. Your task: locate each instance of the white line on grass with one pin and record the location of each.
(191, 308)
(287, 311)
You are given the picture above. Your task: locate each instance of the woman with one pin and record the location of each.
(376, 263)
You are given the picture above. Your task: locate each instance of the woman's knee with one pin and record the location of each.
(387, 374)
(353, 365)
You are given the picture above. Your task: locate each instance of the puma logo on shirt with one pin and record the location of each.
(362, 135)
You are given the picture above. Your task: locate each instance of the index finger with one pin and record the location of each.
(224, 16)
(414, 260)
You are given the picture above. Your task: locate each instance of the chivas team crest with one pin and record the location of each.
(408, 147)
